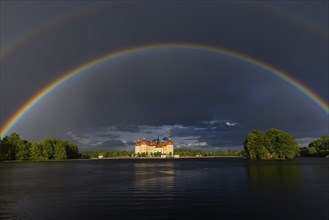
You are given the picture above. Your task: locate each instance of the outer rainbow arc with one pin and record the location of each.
(50, 25)
(248, 59)
(7, 49)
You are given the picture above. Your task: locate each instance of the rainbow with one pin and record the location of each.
(295, 18)
(25, 38)
(145, 48)
(45, 27)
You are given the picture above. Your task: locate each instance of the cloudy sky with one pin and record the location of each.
(202, 100)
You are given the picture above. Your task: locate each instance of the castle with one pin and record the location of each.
(155, 146)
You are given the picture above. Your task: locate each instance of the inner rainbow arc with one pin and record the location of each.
(121, 53)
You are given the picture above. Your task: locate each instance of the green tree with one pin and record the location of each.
(7, 150)
(304, 151)
(72, 151)
(48, 146)
(23, 150)
(256, 144)
(36, 152)
(321, 146)
(22, 147)
(60, 152)
(13, 138)
(283, 145)
(15, 148)
(275, 144)
(312, 151)
(59, 149)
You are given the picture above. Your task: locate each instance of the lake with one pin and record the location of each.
(223, 188)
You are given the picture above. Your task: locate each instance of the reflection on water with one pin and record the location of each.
(157, 176)
(275, 174)
(165, 189)
(288, 187)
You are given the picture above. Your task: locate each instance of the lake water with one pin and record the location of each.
(226, 188)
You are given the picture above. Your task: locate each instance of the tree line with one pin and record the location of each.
(95, 154)
(191, 153)
(12, 147)
(274, 144)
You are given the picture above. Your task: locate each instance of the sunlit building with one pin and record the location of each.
(155, 146)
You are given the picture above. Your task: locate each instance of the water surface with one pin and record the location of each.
(225, 188)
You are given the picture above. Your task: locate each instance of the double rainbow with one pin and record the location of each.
(144, 48)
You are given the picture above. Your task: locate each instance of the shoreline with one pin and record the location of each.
(161, 158)
(121, 158)
(145, 158)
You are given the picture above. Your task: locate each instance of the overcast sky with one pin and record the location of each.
(202, 100)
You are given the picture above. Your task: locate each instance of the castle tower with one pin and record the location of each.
(170, 147)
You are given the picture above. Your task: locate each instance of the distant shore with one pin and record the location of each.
(139, 158)
(123, 158)
(161, 158)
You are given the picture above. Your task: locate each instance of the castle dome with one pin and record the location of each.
(160, 144)
(144, 141)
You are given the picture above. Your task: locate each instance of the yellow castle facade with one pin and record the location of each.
(155, 146)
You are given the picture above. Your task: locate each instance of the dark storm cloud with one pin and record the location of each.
(112, 144)
(106, 135)
(100, 140)
(215, 100)
(203, 99)
(121, 128)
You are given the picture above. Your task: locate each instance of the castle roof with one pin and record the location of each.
(155, 142)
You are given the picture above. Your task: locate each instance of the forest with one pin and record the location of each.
(12, 147)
